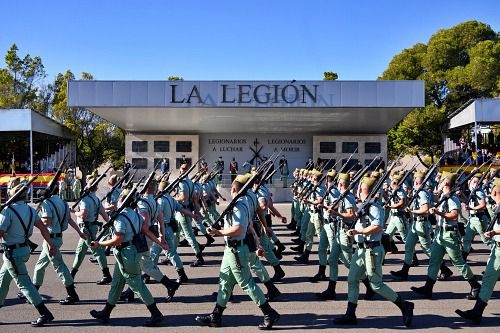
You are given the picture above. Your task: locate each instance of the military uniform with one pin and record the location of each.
(17, 221)
(77, 188)
(447, 240)
(186, 186)
(235, 269)
(478, 221)
(127, 269)
(57, 210)
(397, 219)
(90, 226)
(367, 259)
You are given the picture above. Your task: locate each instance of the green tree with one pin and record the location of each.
(175, 78)
(330, 76)
(457, 64)
(97, 141)
(21, 83)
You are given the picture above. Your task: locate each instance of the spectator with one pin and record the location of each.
(233, 169)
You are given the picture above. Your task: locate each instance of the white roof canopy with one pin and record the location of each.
(249, 106)
(480, 111)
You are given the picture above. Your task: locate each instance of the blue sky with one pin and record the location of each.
(228, 40)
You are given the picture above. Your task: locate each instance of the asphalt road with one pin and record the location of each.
(298, 307)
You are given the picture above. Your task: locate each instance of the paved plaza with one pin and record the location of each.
(299, 308)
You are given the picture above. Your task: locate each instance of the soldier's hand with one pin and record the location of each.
(489, 234)
(52, 251)
(163, 244)
(352, 232)
(94, 244)
(283, 220)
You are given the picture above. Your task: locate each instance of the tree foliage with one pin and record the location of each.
(457, 64)
(97, 141)
(330, 76)
(21, 83)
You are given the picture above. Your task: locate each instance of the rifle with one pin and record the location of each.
(107, 197)
(114, 214)
(17, 195)
(427, 177)
(458, 186)
(310, 187)
(51, 186)
(248, 185)
(176, 182)
(352, 183)
(148, 181)
(402, 181)
(131, 178)
(361, 211)
(86, 191)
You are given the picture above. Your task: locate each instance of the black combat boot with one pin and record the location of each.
(350, 316)
(299, 248)
(426, 290)
(406, 310)
(304, 258)
(277, 254)
(199, 261)
(475, 288)
(280, 247)
(278, 273)
(73, 272)
(446, 273)
(103, 315)
(296, 240)
(45, 316)
(369, 290)
(127, 295)
(476, 314)
(292, 225)
(210, 240)
(270, 316)
(156, 316)
(329, 293)
(171, 286)
(394, 248)
(296, 233)
(72, 297)
(403, 273)
(213, 319)
(182, 276)
(146, 278)
(415, 262)
(272, 291)
(184, 243)
(106, 277)
(320, 276)
(201, 247)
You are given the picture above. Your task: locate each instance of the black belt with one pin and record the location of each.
(59, 235)
(477, 214)
(123, 245)
(450, 228)
(369, 244)
(420, 218)
(235, 243)
(15, 246)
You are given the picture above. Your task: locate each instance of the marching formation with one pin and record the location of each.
(354, 214)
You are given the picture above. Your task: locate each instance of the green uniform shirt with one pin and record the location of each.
(447, 206)
(92, 205)
(168, 206)
(375, 216)
(148, 205)
(423, 198)
(400, 195)
(14, 233)
(123, 226)
(333, 194)
(239, 216)
(57, 211)
(186, 186)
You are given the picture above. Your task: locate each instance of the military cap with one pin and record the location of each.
(113, 177)
(317, 173)
(419, 174)
(375, 174)
(242, 179)
(478, 175)
(16, 188)
(397, 178)
(493, 170)
(344, 176)
(452, 177)
(496, 182)
(332, 173)
(184, 166)
(90, 179)
(162, 185)
(370, 181)
(381, 170)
